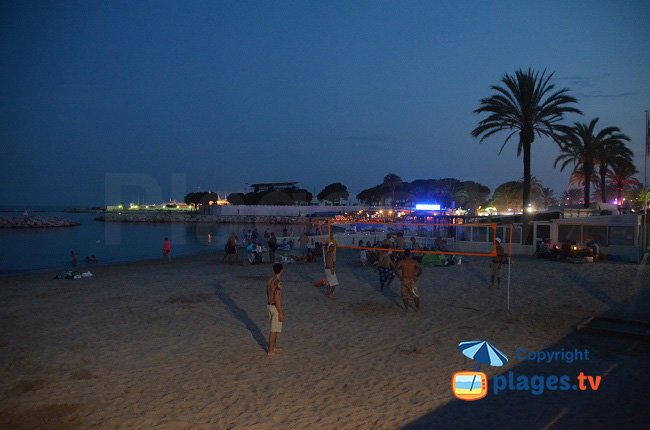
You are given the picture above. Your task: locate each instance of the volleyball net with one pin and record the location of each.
(421, 238)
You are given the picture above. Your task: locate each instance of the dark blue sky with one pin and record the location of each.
(228, 93)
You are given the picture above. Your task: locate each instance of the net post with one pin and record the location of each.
(508, 283)
(509, 258)
(510, 247)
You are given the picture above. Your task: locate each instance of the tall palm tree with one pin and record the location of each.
(528, 105)
(621, 179)
(578, 144)
(611, 153)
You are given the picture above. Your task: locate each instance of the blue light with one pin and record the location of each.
(427, 207)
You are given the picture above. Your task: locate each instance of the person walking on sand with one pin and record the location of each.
(167, 249)
(408, 271)
(274, 307)
(495, 266)
(330, 280)
(385, 266)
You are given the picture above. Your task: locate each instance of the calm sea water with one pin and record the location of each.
(25, 250)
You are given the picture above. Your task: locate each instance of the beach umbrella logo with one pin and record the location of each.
(473, 385)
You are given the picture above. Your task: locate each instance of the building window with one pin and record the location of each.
(569, 232)
(597, 233)
(623, 236)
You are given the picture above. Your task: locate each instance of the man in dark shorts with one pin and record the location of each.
(408, 271)
(385, 266)
(274, 307)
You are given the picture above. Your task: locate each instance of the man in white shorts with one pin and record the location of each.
(274, 307)
(330, 273)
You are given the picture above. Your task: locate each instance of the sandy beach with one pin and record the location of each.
(182, 345)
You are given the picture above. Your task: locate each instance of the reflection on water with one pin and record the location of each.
(40, 249)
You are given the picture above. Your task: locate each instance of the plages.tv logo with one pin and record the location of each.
(473, 385)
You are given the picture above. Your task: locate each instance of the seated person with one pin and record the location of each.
(258, 253)
(439, 244)
(593, 249)
(544, 250)
(565, 250)
(310, 256)
(250, 252)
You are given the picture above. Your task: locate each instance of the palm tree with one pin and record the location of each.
(528, 105)
(547, 196)
(572, 196)
(621, 179)
(611, 153)
(578, 144)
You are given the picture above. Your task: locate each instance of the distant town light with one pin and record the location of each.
(427, 207)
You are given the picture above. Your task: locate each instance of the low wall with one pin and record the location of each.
(198, 218)
(267, 210)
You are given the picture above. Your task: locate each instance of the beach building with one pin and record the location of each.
(619, 236)
(273, 186)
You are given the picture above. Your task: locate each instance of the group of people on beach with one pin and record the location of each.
(405, 267)
(90, 259)
(568, 249)
(253, 243)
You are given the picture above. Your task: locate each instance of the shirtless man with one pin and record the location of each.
(385, 265)
(274, 307)
(408, 271)
(330, 278)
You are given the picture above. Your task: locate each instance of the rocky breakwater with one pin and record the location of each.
(182, 217)
(36, 222)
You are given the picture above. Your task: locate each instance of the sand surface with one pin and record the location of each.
(182, 345)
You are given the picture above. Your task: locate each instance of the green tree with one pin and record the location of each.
(472, 195)
(507, 196)
(334, 193)
(525, 104)
(392, 182)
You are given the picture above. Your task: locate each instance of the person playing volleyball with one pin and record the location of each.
(408, 271)
(330, 278)
(385, 265)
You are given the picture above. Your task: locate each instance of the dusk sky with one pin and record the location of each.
(229, 93)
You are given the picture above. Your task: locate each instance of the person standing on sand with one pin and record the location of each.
(231, 248)
(330, 278)
(73, 258)
(274, 307)
(273, 245)
(495, 266)
(304, 241)
(385, 266)
(408, 271)
(167, 249)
